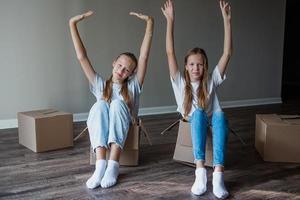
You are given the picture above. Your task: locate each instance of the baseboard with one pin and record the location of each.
(79, 117)
(157, 110)
(250, 102)
(8, 123)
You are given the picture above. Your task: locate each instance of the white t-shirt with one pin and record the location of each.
(134, 90)
(214, 81)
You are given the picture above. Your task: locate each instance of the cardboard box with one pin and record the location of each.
(44, 130)
(277, 137)
(130, 154)
(184, 148)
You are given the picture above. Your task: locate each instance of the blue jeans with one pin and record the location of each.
(199, 124)
(108, 123)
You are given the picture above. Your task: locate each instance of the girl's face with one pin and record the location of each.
(195, 67)
(123, 67)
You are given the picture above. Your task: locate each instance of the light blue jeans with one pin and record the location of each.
(109, 123)
(199, 124)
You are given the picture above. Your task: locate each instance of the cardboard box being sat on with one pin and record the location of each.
(184, 149)
(277, 137)
(45, 130)
(130, 153)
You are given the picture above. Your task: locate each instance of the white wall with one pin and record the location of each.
(38, 66)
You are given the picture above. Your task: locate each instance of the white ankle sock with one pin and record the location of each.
(199, 186)
(95, 180)
(111, 174)
(219, 189)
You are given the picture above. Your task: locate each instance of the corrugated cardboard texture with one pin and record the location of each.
(277, 138)
(184, 149)
(44, 130)
(130, 154)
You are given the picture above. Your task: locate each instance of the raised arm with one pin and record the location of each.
(227, 51)
(79, 48)
(145, 47)
(168, 11)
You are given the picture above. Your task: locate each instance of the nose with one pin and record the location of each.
(196, 68)
(121, 71)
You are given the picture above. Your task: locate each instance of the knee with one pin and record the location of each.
(219, 118)
(102, 103)
(219, 121)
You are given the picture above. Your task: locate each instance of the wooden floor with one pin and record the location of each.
(62, 174)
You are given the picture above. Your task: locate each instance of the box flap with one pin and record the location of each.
(275, 119)
(291, 119)
(43, 113)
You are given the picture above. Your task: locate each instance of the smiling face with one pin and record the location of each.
(123, 67)
(195, 66)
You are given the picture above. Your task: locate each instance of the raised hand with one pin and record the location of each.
(226, 9)
(145, 47)
(79, 47)
(227, 49)
(78, 18)
(141, 16)
(168, 10)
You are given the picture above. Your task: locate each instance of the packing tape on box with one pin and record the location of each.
(290, 119)
(49, 112)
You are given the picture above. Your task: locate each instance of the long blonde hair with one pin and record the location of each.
(202, 92)
(107, 93)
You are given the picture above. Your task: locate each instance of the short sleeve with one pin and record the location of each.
(97, 86)
(178, 82)
(216, 77)
(178, 89)
(135, 85)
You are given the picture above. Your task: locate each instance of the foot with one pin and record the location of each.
(111, 174)
(95, 180)
(219, 189)
(199, 186)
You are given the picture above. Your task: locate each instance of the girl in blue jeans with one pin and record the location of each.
(117, 102)
(196, 97)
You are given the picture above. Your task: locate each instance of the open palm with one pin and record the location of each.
(168, 10)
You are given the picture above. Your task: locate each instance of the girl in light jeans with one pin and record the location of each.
(117, 102)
